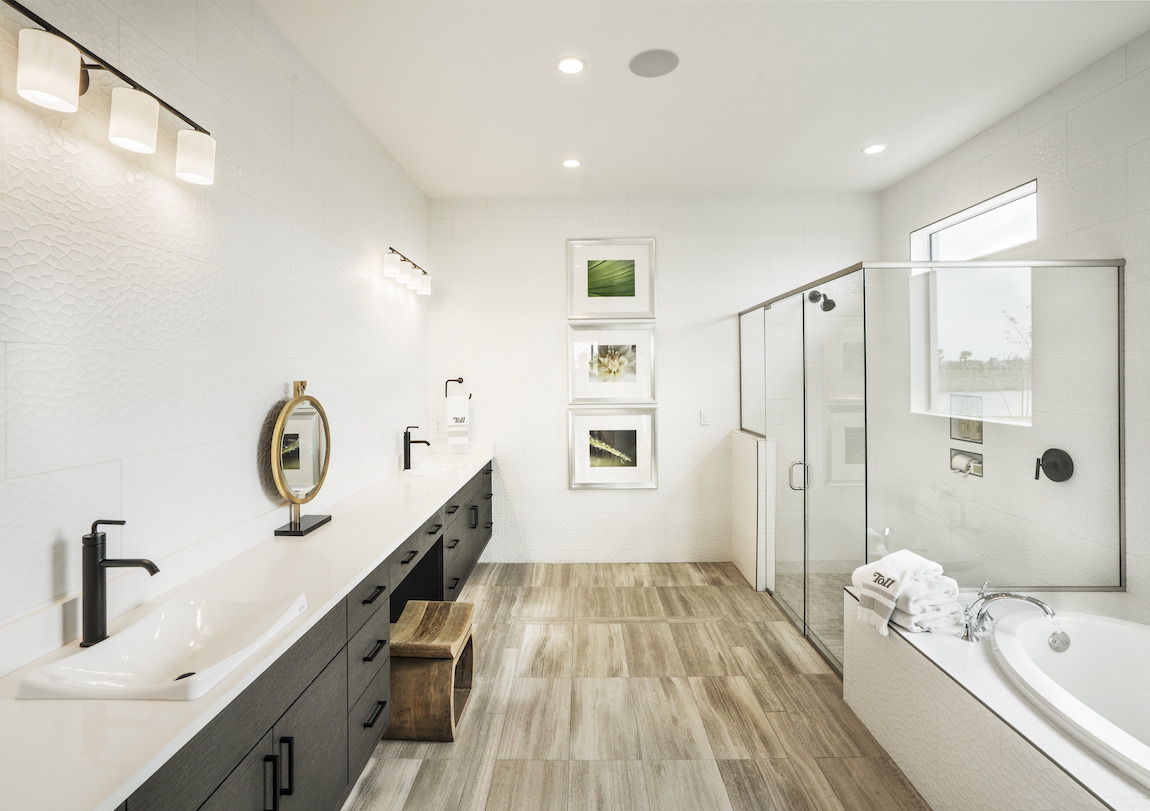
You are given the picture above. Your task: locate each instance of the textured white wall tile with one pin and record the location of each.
(1138, 178)
(767, 232)
(1086, 196)
(803, 202)
(1039, 153)
(522, 206)
(1138, 55)
(549, 235)
(603, 205)
(985, 143)
(1079, 89)
(88, 21)
(148, 326)
(735, 203)
(1109, 123)
(696, 233)
(639, 205)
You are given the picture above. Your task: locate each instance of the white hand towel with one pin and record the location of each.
(458, 419)
(880, 584)
(946, 616)
(927, 595)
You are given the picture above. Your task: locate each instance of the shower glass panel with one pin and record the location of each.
(784, 424)
(965, 394)
(836, 447)
(752, 373)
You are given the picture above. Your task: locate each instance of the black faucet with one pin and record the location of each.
(407, 443)
(95, 599)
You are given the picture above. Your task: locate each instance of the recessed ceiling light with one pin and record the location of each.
(571, 64)
(873, 149)
(571, 163)
(657, 62)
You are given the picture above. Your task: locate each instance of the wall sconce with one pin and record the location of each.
(51, 72)
(407, 273)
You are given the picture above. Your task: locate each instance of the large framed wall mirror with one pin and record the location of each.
(300, 452)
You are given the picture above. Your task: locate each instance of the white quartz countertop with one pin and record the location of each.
(975, 668)
(80, 754)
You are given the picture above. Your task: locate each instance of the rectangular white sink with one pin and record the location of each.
(442, 464)
(178, 652)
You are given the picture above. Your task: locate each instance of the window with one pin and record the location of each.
(972, 326)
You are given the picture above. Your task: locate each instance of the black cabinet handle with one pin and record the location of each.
(379, 645)
(453, 509)
(412, 555)
(474, 516)
(454, 543)
(275, 761)
(488, 495)
(487, 525)
(370, 722)
(375, 595)
(290, 764)
(435, 529)
(454, 583)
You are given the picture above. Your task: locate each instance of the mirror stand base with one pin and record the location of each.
(306, 524)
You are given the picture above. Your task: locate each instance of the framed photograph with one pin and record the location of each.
(611, 278)
(611, 362)
(611, 448)
(845, 443)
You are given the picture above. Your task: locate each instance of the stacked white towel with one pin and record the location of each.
(881, 583)
(928, 605)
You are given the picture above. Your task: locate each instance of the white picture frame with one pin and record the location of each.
(611, 362)
(612, 448)
(611, 278)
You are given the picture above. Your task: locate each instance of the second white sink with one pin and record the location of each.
(178, 652)
(443, 464)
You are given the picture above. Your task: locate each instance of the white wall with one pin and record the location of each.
(148, 325)
(499, 321)
(1087, 141)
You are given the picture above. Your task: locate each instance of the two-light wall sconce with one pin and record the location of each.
(406, 273)
(51, 71)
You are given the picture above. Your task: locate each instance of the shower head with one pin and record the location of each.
(825, 302)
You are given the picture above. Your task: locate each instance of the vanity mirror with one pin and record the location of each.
(300, 450)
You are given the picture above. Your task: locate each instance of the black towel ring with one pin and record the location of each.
(453, 380)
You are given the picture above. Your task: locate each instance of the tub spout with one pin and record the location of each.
(978, 612)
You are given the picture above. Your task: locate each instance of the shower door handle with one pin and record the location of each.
(791, 475)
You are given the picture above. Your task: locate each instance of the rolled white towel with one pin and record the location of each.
(880, 584)
(927, 595)
(945, 617)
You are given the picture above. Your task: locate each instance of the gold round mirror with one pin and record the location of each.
(300, 451)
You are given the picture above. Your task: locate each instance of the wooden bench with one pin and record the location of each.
(432, 659)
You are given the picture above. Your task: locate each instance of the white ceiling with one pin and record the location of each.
(768, 95)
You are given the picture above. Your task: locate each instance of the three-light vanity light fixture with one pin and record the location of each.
(52, 71)
(406, 273)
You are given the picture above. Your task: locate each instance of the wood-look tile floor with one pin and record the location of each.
(638, 687)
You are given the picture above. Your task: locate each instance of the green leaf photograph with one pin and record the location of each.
(613, 278)
(613, 448)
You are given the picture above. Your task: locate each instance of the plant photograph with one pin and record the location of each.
(611, 278)
(613, 448)
(610, 363)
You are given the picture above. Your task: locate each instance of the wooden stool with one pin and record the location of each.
(432, 658)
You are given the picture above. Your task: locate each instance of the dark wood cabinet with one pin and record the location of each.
(311, 743)
(253, 783)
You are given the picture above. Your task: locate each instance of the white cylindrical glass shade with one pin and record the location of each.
(196, 157)
(424, 288)
(392, 265)
(413, 282)
(48, 71)
(405, 271)
(134, 119)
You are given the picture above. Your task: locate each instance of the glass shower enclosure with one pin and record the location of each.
(914, 405)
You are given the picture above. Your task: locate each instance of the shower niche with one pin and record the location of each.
(873, 383)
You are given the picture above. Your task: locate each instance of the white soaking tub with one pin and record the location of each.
(1097, 689)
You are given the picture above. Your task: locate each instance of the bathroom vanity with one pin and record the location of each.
(294, 725)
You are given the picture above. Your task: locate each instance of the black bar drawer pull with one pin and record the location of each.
(435, 529)
(379, 645)
(474, 516)
(454, 543)
(412, 555)
(488, 495)
(290, 764)
(453, 509)
(275, 761)
(370, 722)
(454, 583)
(487, 525)
(375, 595)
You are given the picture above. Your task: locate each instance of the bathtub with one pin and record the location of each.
(1097, 689)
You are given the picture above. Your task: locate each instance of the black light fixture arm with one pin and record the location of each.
(391, 250)
(101, 64)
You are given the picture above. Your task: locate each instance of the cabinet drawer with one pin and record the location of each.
(455, 577)
(367, 720)
(404, 559)
(366, 653)
(366, 598)
(455, 546)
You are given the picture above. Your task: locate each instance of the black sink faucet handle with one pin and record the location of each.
(110, 521)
